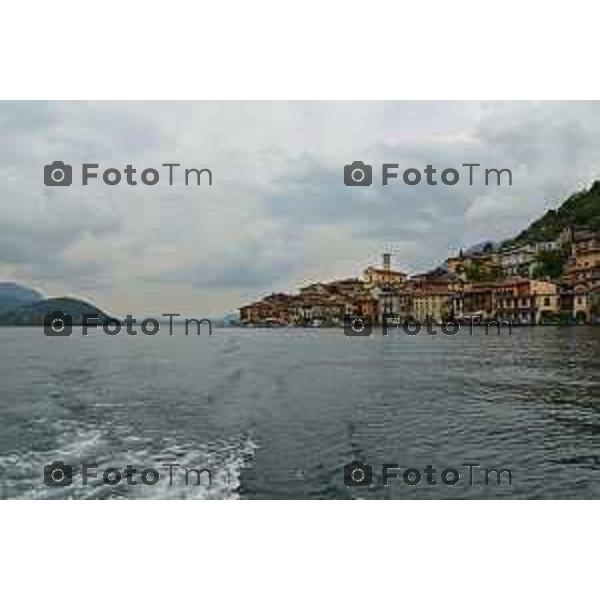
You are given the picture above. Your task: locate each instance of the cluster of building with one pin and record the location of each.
(490, 283)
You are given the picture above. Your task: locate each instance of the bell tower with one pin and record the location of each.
(386, 290)
(387, 261)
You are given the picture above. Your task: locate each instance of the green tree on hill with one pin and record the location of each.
(550, 263)
(581, 211)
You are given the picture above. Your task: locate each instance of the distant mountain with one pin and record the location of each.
(13, 295)
(482, 247)
(581, 210)
(230, 320)
(33, 314)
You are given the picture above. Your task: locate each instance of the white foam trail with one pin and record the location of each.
(225, 458)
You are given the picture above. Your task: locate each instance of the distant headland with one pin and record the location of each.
(23, 306)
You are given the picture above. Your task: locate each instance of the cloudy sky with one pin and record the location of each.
(278, 214)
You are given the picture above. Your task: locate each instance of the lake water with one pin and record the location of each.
(278, 413)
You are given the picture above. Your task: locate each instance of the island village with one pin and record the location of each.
(547, 282)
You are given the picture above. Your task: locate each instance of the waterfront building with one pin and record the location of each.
(470, 284)
(526, 301)
(581, 312)
(393, 300)
(474, 266)
(366, 305)
(521, 260)
(593, 304)
(274, 309)
(432, 302)
(475, 300)
(517, 261)
(584, 265)
(377, 278)
(581, 277)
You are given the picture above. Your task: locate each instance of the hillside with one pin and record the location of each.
(581, 210)
(13, 295)
(33, 314)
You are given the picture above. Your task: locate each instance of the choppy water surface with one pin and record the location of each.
(278, 413)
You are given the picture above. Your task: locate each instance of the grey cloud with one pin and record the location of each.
(278, 212)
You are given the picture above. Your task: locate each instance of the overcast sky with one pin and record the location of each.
(278, 214)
